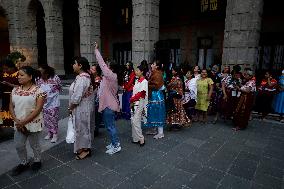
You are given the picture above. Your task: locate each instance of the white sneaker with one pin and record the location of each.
(159, 136)
(111, 146)
(54, 138)
(113, 150)
(48, 136)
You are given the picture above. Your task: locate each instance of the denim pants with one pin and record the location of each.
(109, 122)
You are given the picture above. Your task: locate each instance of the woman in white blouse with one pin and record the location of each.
(190, 94)
(26, 105)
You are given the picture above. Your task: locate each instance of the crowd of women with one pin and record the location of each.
(154, 98)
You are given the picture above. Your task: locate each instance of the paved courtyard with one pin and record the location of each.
(203, 156)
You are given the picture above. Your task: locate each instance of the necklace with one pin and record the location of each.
(27, 89)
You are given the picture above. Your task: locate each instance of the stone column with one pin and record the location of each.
(89, 16)
(54, 35)
(242, 32)
(15, 15)
(145, 29)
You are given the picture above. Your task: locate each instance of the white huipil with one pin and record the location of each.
(139, 111)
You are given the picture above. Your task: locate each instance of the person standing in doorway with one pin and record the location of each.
(108, 101)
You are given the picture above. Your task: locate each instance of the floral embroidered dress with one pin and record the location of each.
(177, 116)
(81, 94)
(52, 88)
(25, 103)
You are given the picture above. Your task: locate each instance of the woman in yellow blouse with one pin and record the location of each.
(204, 92)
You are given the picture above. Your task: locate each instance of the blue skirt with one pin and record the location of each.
(278, 104)
(126, 114)
(156, 110)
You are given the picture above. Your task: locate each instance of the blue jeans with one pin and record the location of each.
(109, 121)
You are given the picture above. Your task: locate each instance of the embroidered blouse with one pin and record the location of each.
(81, 88)
(249, 86)
(24, 103)
(190, 90)
(52, 88)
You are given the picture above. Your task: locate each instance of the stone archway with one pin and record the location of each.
(4, 35)
(38, 51)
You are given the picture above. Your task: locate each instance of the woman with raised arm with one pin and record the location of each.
(108, 101)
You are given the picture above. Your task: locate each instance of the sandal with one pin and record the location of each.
(83, 154)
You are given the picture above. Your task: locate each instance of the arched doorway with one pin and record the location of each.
(116, 29)
(4, 35)
(71, 33)
(37, 21)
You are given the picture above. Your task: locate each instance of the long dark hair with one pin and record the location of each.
(30, 72)
(83, 62)
(49, 71)
(179, 74)
(85, 67)
(143, 69)
(158, 64)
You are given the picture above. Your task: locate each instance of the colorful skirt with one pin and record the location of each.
(51, 118)
(156, 110)
(126, 113)
(178, 116)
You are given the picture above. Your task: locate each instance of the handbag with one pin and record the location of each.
(70, 137)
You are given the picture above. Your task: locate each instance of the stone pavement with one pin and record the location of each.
(203, 156)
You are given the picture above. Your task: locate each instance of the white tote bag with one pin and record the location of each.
(70, 137)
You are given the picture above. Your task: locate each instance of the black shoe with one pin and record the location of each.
(19, 169)
(135, 142)
(36, 166)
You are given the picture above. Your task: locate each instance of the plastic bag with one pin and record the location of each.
(70, 137)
